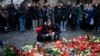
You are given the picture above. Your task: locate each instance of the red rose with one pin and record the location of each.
(38, 29)
(19, 52)
(65, 54)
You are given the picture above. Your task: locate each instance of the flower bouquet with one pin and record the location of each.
(10, 51)
(80, 46)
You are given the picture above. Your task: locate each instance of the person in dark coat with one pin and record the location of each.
(79, 19)
(22, 16)
(74, 17)
(63, 19)
(68, 12)
(36, 11)
(32, 13)
(50, 13)
(58, 14)
(4, 20)
(97, 18)
(16, 17)
(44, 13)
(40, 15)
(49, 32)
(11, 19)
(90, 20)
(28, 19)
(84, 17)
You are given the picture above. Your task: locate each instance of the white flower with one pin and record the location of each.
(27, 47)
(54, 49)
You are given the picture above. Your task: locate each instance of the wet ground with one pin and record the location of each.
(20, 39)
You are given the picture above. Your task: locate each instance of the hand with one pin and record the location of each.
(47, 34)
(53, 33)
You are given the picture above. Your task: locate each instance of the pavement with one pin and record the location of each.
(20, 39)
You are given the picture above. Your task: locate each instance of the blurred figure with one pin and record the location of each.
(50, 13)
(45, 18)
(11, 19)
(90, 20)
(68, 13)
(36, 15)
(40, 15)
(1, 43)
(58, 13)
(84, 17)
(0, 17)
(63, 20)
(48, 32)
(32, 13)
(97, 18)
(22, 15)
(17, 16)
(29, 18)
(4, 20)
(74, 17)
(79, 19)
(25, 16)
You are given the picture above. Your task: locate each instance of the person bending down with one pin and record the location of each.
(48, 32)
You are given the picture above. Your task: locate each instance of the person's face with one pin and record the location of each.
(3, 7)
(49, 23)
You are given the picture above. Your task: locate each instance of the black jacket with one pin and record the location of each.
(54, 27)
(22, 10)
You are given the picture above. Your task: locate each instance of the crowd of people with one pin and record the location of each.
(68, 16)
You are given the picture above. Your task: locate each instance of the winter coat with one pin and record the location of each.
(22, 11)
(97, 16)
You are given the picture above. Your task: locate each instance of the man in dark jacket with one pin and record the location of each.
(49, 32)
(22, 15)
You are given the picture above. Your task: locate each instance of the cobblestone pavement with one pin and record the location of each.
(20, 39)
